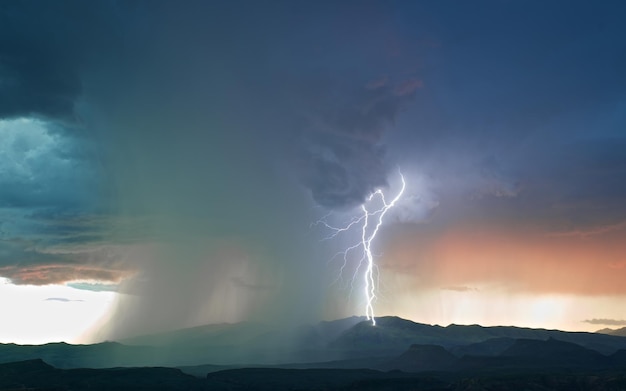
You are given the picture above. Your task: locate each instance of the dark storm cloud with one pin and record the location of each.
(42, 173)
(572, 186)
(42, 168)
(55, 226)
(36, 259)
(519, 124)
(583, 183)
(343, 160)
(46, 247)
(43, 47)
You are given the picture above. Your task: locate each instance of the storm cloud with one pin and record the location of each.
(45, 48)
(343, 157)
(179, 153)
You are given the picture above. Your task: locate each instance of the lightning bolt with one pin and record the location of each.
(369, 221)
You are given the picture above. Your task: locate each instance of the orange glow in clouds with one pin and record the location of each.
(491, 275)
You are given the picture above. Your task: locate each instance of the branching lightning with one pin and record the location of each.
(369, 222)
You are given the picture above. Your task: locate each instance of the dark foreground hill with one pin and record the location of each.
(36, 375)
(344, 380)
(419, 358)
(525, 364)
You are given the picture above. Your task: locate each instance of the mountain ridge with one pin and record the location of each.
(621, 332)
(235, 345)
(393, 333)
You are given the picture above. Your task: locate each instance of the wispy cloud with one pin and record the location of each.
(94, 287)
(617, 265)
(61, 299)
(592, 231)
(460, 289)
(607, 322)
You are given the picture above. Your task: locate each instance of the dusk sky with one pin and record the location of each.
(163, 164)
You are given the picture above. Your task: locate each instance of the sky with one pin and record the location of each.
(170, 164)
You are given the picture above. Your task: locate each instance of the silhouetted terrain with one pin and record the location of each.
(420, 358)
(344, 340)
(619, 332)
(396, 354)
(392, 334)
(36, 374)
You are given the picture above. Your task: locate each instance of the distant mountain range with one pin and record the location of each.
(347, 354)
(394, 343)
(393, 334)
(619, 332)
